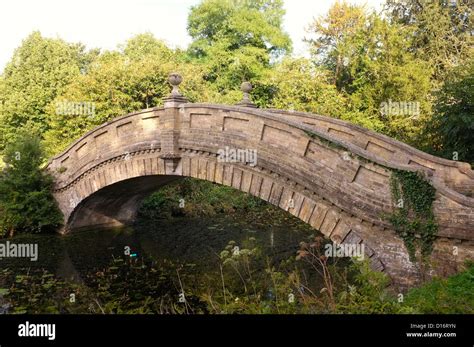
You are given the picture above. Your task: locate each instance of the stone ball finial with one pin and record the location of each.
(175, 80)
(246, 87)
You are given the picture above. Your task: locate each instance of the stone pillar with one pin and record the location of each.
(170, 126)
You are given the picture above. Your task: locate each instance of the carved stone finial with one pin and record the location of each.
(246, 88)
(175, 97)
(175, 80)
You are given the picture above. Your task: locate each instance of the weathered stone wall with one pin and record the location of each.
(337, 179)
(454, 174)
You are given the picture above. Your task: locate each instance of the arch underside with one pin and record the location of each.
(116, 204)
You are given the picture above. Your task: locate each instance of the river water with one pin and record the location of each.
(191, 248)
(183, 240)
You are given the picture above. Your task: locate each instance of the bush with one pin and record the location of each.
(454, 294)
(192, 197)
(26, 201)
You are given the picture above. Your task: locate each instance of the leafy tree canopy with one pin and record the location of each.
(442, 30)
(452, 129)
(371, 63)
(39, 70)
(236, 40)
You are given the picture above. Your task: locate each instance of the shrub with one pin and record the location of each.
(26, 201)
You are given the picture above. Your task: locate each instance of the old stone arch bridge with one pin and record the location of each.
(331, 174)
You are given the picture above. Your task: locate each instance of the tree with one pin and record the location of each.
(26, 201)
(441, 29)
(332, 32)
(371, 63)
(381, 70)
(146, 45)
(242, 23)
(236, 41)
(298, 84)
(39, 70)
(452, 128)
(119, 82)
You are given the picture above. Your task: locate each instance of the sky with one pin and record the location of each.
(107, 23)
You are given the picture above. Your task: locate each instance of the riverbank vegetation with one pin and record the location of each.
(26, 201)
(194, 198)
(238, 285)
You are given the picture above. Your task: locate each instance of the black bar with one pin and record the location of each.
(308, 330)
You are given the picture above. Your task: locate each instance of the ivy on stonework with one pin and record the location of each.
(413, 218)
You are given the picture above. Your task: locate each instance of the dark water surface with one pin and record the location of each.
(198, 241)
(145, 268)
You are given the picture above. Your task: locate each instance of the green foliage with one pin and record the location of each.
(368, 293)
(243, 23)
(290, 287)
(145, 287)
(40, 292)
(413, 218)
(39, 71)
(371, 63)
(452, 128)
(197, 198)
(236, 41)
(300, 85)
(441, 31)
(357, 289)
(26, 201)
(379, 75)
(146, 45)
(441, 35)
(250, 283)
(126, 286)
(334, 33)
(452, 295)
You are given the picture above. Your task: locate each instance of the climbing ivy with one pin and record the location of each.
(413, 196)
(413, 218)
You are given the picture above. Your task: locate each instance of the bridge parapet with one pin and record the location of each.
(456, 175)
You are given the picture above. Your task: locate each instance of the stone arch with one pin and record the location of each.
(103, 202)
(336, 173)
